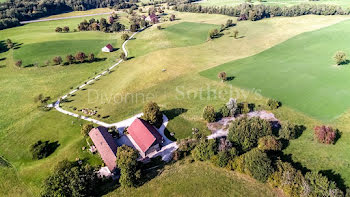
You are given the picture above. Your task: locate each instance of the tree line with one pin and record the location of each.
(14, 11)
(253, 12)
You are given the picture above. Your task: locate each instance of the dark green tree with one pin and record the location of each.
(152, 114)
(245, 132)
(127, 163)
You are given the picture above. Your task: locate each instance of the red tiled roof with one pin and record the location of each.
(105, 145)
(144, 134)
(110, 47)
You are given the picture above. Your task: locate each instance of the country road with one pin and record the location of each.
(61, 18)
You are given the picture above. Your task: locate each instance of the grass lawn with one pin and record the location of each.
(299, 72)
(198, 179)
(344, 3)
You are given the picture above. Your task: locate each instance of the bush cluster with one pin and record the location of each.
(295, 184)
(245, 132)
(325, 134)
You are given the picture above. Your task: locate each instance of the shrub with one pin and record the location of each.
(152, 114)
(222, 76)
(221, 159)
(125, 37)
(269, 143)
(65, 29)
(91, 57)
(18, 63)
(70, 59)
(273, 104)
(319, 185)
(57, 60)
(172, 17)
(224, 111)
(235, 34)
(245, 132)
(209, 114)
(58, 29)
(229, 23)
(340, 58)
(258, 165)
(213, 33)
(159, 27)
(290, 180)
(232, 106)
(80, 56)
(289, 131)
(123, 56)
(85, 129)
(204, 150)
(40, 150)
(325, 134)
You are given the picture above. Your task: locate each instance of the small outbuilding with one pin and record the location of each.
(108, 48)
(146, 137)
(105, 145)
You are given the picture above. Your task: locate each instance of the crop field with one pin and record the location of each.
(343, 3)
(300, 72)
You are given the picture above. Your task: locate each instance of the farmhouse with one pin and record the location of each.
(152, 18)
(146, 137)
(108, 48)
(105, 145)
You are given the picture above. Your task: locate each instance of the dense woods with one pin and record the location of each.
(252, 12)
(11, 12)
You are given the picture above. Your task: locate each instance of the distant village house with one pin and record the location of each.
(108, 48)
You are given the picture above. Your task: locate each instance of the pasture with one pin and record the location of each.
(199, 179)
(343, 3)
(300, 72)
(176, 90)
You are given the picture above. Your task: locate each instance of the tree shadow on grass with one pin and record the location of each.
(173, 113)
(230, 78)
(52, 146)
(2, 66)
(2, 59)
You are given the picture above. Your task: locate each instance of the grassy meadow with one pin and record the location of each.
(180, 48)
(300, 72)
(199, 179)
(343, 3)
(22, 123)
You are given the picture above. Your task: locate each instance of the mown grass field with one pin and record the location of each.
(300, 72)
(344, 3)
(23, 123)
(199, 179)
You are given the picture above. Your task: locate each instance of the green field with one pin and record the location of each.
(299, 72)
(199, 179)
(22, 123)
(344, 3)
(152, 50)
